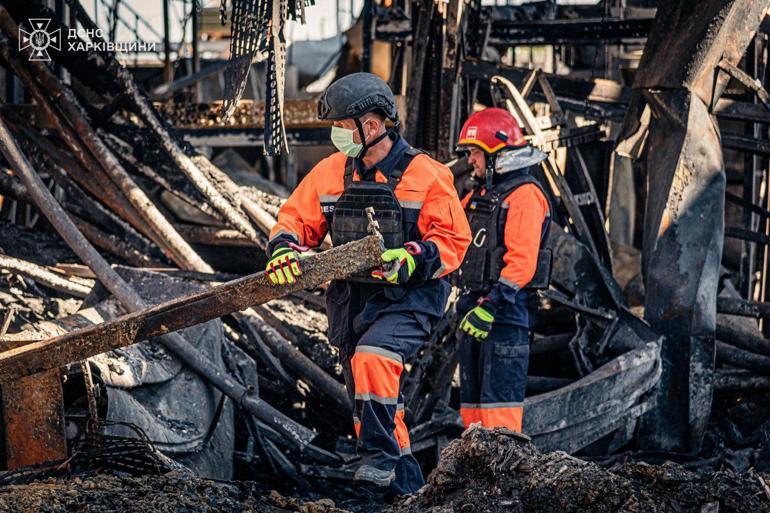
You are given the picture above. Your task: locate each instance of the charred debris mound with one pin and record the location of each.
(172, 493)
(491, 471)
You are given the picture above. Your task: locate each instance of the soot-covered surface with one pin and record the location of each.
(171, 493)
(490, 471)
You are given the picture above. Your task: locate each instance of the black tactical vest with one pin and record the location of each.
(349, 220)
(484, 259)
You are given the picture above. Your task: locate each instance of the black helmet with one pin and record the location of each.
(354, 95)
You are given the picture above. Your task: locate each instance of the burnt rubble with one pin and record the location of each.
(498, 471)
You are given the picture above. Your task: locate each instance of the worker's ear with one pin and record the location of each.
(373, 127)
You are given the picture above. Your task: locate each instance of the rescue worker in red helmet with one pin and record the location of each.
(380, 319)
(509, 215)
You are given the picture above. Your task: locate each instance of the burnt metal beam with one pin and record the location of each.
(304, 367)
(746, 144)
(756, 209)
(251, 137)
(741, 111)
(743, 308)
(747, 81)
(679, 81)
(748, 235)
(33, 420)
(595, 90)
(743, 359)
(743, 339)
(569, 32)
(600, 97)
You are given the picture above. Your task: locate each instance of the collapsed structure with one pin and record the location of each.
(261, 384)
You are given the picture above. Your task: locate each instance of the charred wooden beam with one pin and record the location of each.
(731, 355)
(43, 276)
(739, 380)
(186, 311)
(129, 142)
(747, 81)
(88, 174)
(743, 339)
(294, 359)
(214, 236)
(113, 244)
(571, 32)
(107, 242)
(743, 308)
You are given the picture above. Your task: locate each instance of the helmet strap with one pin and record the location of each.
(491, 160)
(376, 140)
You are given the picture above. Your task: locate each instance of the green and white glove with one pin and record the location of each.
(400, 263)
(478, 323)
(283, 267)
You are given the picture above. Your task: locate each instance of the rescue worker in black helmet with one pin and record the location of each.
(380, 319)
(509, 214)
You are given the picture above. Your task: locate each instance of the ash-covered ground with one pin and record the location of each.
(484, 471)
(152, 494)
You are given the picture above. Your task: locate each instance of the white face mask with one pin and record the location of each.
(342, 139)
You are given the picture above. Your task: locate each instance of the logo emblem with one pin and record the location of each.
(39, 39)
(471, 132)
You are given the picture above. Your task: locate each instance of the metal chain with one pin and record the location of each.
(258, 26)
(275, 136)
(223, 12)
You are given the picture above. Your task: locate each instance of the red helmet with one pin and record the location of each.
(491, 130)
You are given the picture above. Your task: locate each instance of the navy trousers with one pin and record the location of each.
(493, 377)
(373, 375)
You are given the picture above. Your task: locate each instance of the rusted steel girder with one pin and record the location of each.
(33, 419)
(684, 214)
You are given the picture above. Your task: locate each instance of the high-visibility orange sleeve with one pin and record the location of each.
(301, 217)
(466, 199)
(442, 220)
(527, 210)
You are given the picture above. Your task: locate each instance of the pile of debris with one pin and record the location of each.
(500, 471)
(151, 494)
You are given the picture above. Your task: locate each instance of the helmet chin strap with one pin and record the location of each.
(360, 127)
(490, 171)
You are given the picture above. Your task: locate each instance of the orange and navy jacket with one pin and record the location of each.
(526, 214)
(432, 215)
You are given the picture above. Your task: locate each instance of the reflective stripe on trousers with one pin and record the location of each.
(508, 415)
(493, 377)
